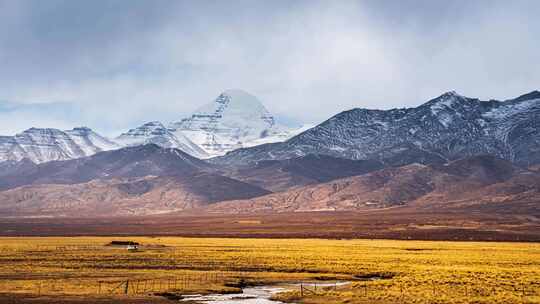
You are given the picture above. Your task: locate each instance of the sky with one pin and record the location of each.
(112, 65)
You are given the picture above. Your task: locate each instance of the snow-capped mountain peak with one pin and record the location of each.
(447, 99)
(152, 128)
(231, 121)
(154, 132)
(47, 144)
(230, 110)
(529, 96)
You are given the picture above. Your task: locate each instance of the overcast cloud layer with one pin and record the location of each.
(125, 62)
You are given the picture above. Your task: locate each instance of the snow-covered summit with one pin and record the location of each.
(231, 121)
(47, 144)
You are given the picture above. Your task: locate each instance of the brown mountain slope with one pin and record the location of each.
(126, 196)
(384, 188)
(137, 180)
(520, 194)
(280, 175)
(470, 183)
(123, 182)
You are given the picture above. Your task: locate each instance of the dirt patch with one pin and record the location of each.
(419, 249)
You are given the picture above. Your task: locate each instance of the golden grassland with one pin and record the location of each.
(380, 271)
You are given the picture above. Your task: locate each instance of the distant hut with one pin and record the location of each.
(130, 245)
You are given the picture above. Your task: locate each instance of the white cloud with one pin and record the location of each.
(160, 60)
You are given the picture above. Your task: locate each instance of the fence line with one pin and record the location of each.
(191, 281)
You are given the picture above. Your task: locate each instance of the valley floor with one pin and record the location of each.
(396, 223)
(89, 270)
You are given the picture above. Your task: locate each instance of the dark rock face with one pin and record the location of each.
(446, 128)
(138, 161)
(279, 175)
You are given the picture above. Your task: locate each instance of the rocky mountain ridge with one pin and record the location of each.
(42, 145)
(445, 128)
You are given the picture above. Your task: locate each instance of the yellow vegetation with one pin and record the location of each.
(381, 271)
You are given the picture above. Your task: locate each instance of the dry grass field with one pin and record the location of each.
(380, 271)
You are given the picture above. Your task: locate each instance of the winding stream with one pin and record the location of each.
(252, 295)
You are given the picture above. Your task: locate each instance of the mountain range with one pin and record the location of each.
(450, 153)
(145, 179)
(233, 120)
(445, 128)
(479, 183)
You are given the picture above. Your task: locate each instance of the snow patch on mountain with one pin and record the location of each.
(278, 137)
(89, 141)
(509, 109)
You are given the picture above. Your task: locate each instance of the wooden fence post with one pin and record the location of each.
(365, 289)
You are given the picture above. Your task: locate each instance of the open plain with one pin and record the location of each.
(90, 270)
(394, 223)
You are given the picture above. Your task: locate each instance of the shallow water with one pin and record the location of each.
(251, 295)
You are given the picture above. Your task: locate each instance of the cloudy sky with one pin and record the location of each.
(113, 64)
